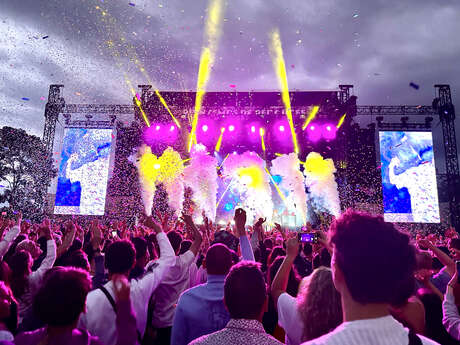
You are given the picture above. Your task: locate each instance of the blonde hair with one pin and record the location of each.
(318, 304)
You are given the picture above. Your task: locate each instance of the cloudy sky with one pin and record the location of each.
(380, 46)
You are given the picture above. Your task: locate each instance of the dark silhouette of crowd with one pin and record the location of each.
(170, 281)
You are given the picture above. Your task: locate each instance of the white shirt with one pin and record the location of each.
(10, 236)
(100, 318)
(175, 281)
(380, 331)
(289, 319)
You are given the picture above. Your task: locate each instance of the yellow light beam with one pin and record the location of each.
(219, 141)
(280, 68)
(342, 119)
(277, 188)
(162, 100)
(211, 35)
(311, 116)
(110, 43)
(262, 141)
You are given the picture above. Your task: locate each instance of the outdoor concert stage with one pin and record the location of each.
(232, 123)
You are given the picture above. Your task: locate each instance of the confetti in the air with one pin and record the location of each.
(25, 99)
(45, 37)
(232, 85)
(132, 4)
(356, 15)
(415, 86)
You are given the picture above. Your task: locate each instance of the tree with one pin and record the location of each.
(25, 171)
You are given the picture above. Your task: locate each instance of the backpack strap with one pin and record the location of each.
(414, 339)
(109, 297)
(114, 306)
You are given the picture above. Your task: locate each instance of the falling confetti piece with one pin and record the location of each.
(132, 4)
(339, 65)
(160, 5)
(356, 15)
(45, 37)
(42, 98)
(78, 93)
(25, 99)
(415, 86)
(232, 85)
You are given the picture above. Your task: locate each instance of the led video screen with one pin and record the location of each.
(83, 171)
(408, 171)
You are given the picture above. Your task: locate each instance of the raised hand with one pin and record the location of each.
(240, 221)
(292, 247)
(152, 224)
(46, 229)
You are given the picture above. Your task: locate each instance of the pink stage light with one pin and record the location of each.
(231, 128)
(157, 127)
(281, 128)
(314, 133)
(205, 128)
(172, 128)
(329, 132)
(253, 129)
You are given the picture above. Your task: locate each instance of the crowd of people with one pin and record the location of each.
(361, 281)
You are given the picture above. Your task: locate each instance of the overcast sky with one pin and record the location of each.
(380, 46)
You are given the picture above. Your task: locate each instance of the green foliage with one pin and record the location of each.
(25, 171)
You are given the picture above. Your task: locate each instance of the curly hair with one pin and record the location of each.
(318, 304)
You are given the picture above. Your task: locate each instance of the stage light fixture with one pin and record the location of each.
(329, 131)
(205, 128)
(172, 128)
(281, 128)
(157, 127)
(253, 129)
(231, 128)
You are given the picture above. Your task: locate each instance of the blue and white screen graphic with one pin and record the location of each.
(83, 172)
(409, 186)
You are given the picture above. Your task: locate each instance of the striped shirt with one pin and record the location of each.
(380, 331)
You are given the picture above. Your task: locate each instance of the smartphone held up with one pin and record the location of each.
(307, 237)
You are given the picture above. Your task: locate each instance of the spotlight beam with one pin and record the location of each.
(311, 116)
(225, 192)
(280, 68)
(219, 141)
(342, 119)
(211, 36)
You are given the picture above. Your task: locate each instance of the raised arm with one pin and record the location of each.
(68, 239)
(10, 236)
(279, 284)
(126, 319)
(48, 262)
(451, 318)
(240, 223)
(197, 237)
(445, 259)
(150, 281)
